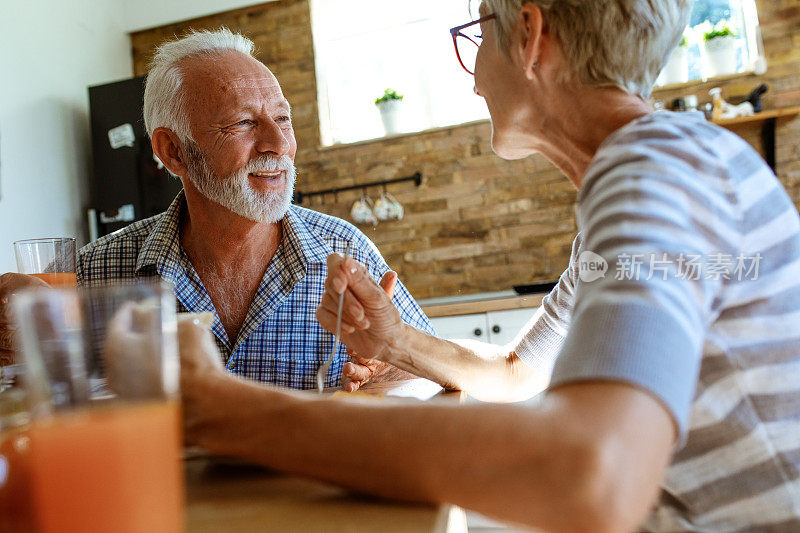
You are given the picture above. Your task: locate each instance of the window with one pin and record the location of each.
(698, 58)
(362, 49)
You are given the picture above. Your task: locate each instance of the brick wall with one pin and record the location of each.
(477, 223)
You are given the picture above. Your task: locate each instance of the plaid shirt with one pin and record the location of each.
(280, 341)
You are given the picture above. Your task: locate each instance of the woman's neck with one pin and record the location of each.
(576, 121)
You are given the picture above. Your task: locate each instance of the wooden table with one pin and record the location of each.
(240, 498)
(225, 496)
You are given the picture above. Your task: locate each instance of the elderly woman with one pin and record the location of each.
(672, 341)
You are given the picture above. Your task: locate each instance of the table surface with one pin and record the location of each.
(228, 496)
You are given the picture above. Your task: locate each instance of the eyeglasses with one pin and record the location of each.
(467, 46)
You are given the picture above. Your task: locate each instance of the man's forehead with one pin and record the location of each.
(263, 82)
(231, 75)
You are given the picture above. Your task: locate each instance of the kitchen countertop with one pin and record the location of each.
(479, 303)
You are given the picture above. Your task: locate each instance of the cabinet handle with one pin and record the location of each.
(478, 332)
(495, 329)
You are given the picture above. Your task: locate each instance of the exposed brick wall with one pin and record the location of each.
(477, 223)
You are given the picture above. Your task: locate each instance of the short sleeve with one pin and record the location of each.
(643, 319)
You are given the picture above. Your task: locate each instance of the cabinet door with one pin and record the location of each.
(461, 327)
(505, 325)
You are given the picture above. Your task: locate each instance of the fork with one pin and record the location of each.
(326, 366)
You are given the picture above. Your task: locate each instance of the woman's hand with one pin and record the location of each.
(201, 373)
(132, 353)
(199, 352)
(370, 321)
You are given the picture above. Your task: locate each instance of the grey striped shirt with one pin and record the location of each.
(700, 305)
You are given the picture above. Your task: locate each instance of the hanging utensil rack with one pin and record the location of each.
(300, 196)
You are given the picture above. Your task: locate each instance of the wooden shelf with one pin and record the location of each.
(767, 120)
(759, 117)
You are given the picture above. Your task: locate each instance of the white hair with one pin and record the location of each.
(163, 92)
(619, 43)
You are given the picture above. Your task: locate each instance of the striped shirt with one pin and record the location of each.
(699, 304)
(280, 341)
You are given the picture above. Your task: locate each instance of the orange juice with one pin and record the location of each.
(58, 279)
(113, 468)
(15, 498)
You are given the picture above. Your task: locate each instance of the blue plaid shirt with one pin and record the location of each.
(280, 341)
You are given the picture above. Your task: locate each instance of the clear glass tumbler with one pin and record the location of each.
(52, 260)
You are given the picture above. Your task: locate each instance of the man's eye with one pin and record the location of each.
(243, 122)
(283, 118)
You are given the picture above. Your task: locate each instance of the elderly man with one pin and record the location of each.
(231, 243)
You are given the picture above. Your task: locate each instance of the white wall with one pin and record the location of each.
(50, 52)
(143, 14)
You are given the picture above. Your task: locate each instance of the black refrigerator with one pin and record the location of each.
(129, 184)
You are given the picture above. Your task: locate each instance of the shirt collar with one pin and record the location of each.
(301, 241)
(162, 247)
(162, 250)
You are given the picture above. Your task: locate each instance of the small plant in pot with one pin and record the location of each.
(719, 49)
(389, 106)
(677, 68)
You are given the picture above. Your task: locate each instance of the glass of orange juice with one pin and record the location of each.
(52, 260)
(104, 440)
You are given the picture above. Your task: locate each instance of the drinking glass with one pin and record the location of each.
(51, 260)
(101, 378)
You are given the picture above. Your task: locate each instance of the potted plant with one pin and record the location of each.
(677, 68)
(389, 106)
(719, 50)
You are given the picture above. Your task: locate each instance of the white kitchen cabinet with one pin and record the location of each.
(504, 325)
(495, 327)
(462, 327)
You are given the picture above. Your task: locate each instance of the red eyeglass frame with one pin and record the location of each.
(455, 32)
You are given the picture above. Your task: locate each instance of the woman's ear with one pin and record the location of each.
(532, 28)
(169, 150)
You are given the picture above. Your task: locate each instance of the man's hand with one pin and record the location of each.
(370, 321)
(359, 372)
(9, 284)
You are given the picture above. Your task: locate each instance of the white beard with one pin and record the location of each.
(234, 191)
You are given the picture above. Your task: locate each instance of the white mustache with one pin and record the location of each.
(269, 163)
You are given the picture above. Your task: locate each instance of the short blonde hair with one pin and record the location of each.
(163, 94)
(618, 43)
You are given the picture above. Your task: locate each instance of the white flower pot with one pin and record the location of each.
(677, 68)
(719, 56)
(390, 115)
